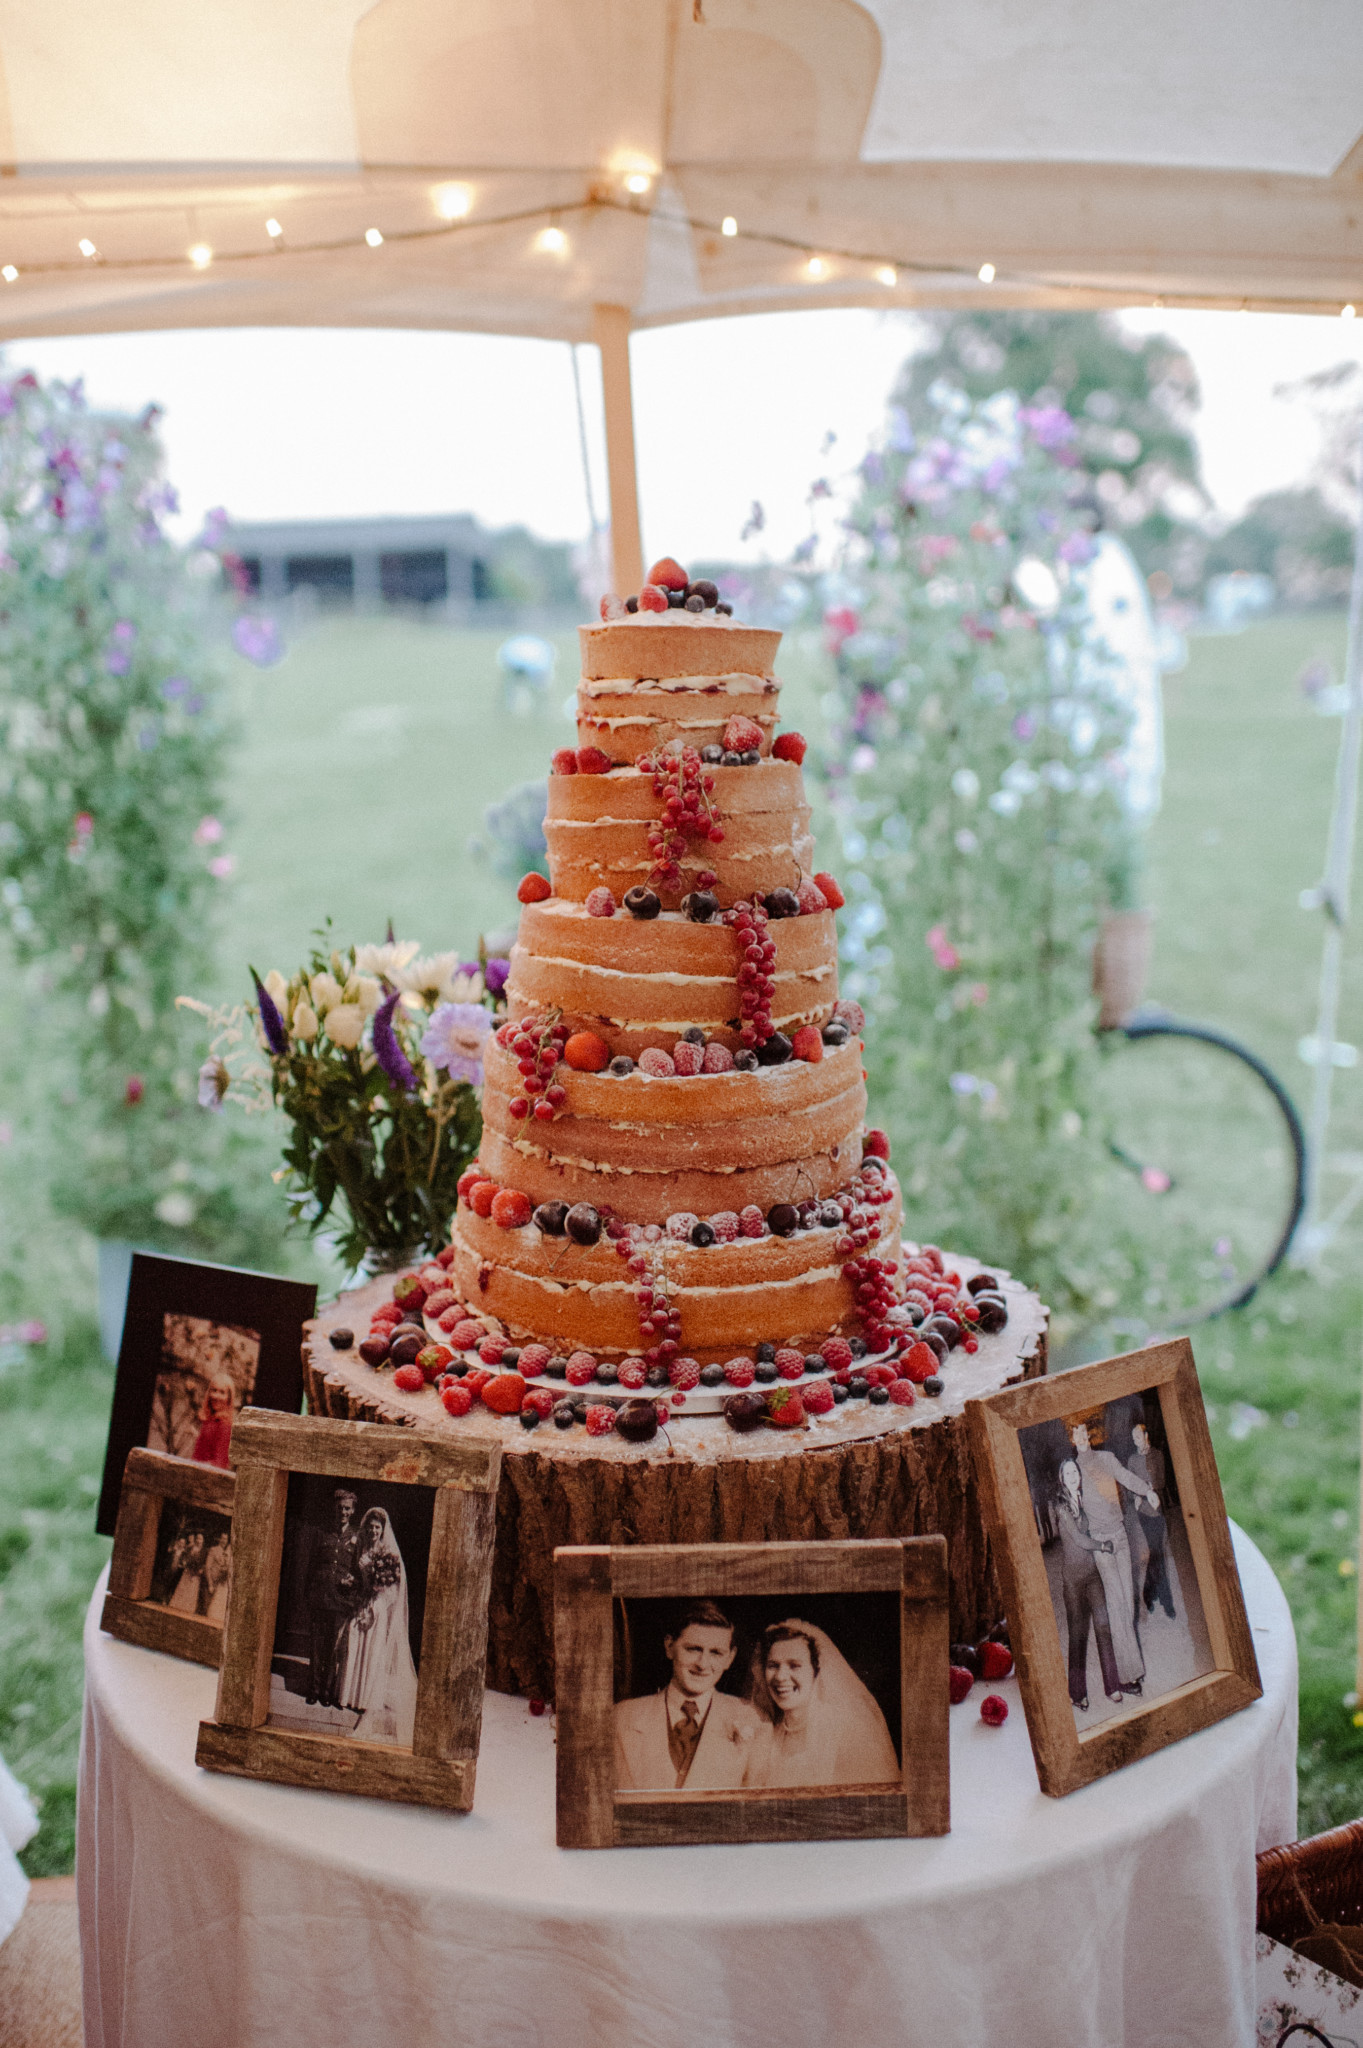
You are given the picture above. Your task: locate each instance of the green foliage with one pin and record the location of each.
(976, 773)
(1132, 400)
(1297, 538)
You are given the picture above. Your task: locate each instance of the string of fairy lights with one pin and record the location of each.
(816, 264)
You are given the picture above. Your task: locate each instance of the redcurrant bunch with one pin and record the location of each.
(688, 810)
(537, 1047)
(659, 1321)
(756, 962)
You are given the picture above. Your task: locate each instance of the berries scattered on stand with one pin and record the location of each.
(540, 1401)
(456, 1398)
(996, 1660)
(836, 1353)
(960, 1681)
(717, 1059)
(581, 1369)
(993, 1710)
(657, 1063)
(410, 1378)
(687, 1059)
(785, 1408)
(504, 1394)
(533, 888)
(818, 1399)
(901, 1393)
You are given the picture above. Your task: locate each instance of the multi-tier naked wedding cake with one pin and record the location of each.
(680, 1247)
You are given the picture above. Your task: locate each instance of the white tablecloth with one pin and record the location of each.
(218, 1913)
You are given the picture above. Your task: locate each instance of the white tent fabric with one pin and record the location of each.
(1201, 153)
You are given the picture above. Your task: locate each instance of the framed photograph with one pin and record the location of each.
(751, 1692)
(171, 1570)
(200, 1343)
(356, 1642)
(1124, 1607)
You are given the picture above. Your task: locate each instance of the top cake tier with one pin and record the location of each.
(644, 684)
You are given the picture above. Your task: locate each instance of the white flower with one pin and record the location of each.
(1021, 778)
(1006, 802)
(177, 1208)
(364, 990)
(326, 993)
(966, 784)
(1061, 778)
(277, 989)
(214, 1081)
(345, 1025)
(304, 1021)
(389, 959)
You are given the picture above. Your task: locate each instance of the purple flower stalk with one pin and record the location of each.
(387, 1051)
(276, 1037)
(496, 974)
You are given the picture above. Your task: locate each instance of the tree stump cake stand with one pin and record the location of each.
(860, 1471)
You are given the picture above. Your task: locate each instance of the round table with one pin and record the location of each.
(220, 1913)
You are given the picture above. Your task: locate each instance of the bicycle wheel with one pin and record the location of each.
(1207, 1174)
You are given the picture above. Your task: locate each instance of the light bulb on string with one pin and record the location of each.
(1348, 312)
(728, 226)
(273, 229)
(887, 275)
(9, 273)
(201, 255)
(454, 202)
(551, 241)
(86, 247)
(638, 183)
(986, 273)
(816, 267)
(374, 238)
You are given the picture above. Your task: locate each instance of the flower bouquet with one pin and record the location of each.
(374, 1055)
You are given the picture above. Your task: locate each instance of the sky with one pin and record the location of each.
(281, 423)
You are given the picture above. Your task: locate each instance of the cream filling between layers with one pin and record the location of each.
(670, 976)
(811, 1276)
(681, 724)
(529, 1151)
(735, 684)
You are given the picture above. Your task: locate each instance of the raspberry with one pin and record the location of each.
(880, 1375)
(785, 1409)
(684, 1373)
(451, 1319)
(751, 1221)
(724, 1225)
(790, 1363)
(540, 1400)
(466, 1335)
(457, 1398)
(490, 1350)
(961, 1681)
(818, 1399)
(741, 735)
(482, 1197)
(680, 1224)
(433, 1361)
(994, 1710)
(389, 1313)
(410, 1378)
(834, 898)
(600, 903)
(591, 761)
(902, 1394)
(810, 898)
(836, 1353)
(875, 1145)
(996, 1660)
(740, 1372)
(534, 1358)
(652, 599)
(601, 1421)
(476, 1378)
(444, 1258)
(581, 1369)
(532, 888)
(564, 761)
(504, 1394)
(511, 1209)
(789, 746)
(585, 1053)
(807, 1044)
(717, 1059)
(668, 574)
(656, 1062)
(633, 1372)
(687, 1058)
(468, 1180)
(437, 1303)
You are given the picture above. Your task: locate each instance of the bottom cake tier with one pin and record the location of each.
(859, 1471)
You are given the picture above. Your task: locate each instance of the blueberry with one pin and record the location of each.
(839, 1393)
(564, 1418)
(621, 1065)
(341, 1340)
(712, 1375)
(675, 600)
(931, 1385)
(631, 604)
(857, 1346)
(457, 1367)
(693, 1035)
(730, 759)
(751, 756)
(814, 1363)
(511, 1358)
(656, 1376)
(809, 1216)
(879, 1395)
(745, 1062)
(550, 1218)
(774, 1051)
(641, 902)
(583, 1224)
(765, 1370)
(607, 1373)
(726, 611)
(557, 1368)
(705, 590)
(782, 903)
(783, 1219)
(765, 1353)
(695, 603)
(857, 1387)
(835, 1033)
(530, 1418)
(712, 754)
(702, 1234)
(700, 906)
(830, 1215)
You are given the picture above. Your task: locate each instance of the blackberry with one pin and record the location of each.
(766, 1354)
(702, 1234)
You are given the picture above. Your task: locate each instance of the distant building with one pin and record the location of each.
(447, 560)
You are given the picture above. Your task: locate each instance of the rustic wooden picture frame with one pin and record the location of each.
(150, 1479)
(593, 1814)
(1065, 1757)
(439, 1768)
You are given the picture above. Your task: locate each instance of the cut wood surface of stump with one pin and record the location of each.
(860, 1471)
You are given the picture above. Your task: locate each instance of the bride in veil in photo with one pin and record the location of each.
(378, 1677)
(824, 1726)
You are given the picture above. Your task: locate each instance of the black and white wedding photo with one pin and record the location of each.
(208, 1373)
(1117, 1559)
(193, 1568)
(352, 1599)
(758, 1693)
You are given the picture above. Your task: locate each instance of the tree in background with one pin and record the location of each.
(1298, 538)
(113, 747)
(976, 772)
(1131, 399)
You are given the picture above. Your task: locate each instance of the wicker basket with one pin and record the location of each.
(1307, 1882)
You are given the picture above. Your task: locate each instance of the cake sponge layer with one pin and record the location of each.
(673, 644)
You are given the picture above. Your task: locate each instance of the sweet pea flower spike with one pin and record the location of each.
(271, 1023)
(454, 1039)
(387, 1051)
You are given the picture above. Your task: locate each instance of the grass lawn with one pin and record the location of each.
(368, 757)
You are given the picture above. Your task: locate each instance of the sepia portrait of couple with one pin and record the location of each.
(801, 1716)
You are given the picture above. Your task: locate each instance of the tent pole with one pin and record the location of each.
(610, 331)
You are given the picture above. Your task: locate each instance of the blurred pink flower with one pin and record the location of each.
(222, 865)
(941, 949)
(1155, 1180)
(32, 1332)
(839, 625)
(208, 831)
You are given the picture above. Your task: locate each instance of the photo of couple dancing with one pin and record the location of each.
(193, 1566)
(351, 1603)
(755, 1693)
(1121, 1575)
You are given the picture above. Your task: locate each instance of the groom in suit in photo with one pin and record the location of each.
(688, 1735)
